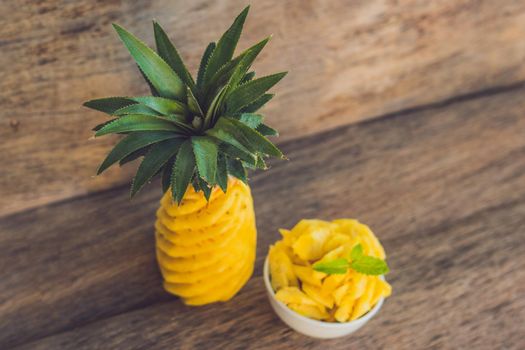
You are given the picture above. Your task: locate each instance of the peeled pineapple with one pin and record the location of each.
(206, 251)
(197, 135)
(317, 295)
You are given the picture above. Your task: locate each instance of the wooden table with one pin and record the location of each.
(441, 183)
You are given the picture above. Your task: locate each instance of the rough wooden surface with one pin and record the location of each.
(443, 188)
(349, 60)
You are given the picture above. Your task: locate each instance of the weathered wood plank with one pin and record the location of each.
(456, 285)
(76, 262)
(349, 60)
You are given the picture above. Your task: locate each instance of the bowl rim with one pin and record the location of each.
(270, 291)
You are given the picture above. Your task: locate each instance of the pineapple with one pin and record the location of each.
(200, 136)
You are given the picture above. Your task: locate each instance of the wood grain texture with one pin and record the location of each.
(442, 188)
(465, 292)
(349, 60)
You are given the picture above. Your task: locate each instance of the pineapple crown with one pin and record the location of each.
(191, 132)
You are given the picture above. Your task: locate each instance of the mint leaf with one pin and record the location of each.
(369, 265)
(357, 252)
(337, 266)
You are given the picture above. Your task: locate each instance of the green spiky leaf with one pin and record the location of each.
(215, 115)
(249, 76)
(222, 172)
(236, 168)
(204, 62)
(215, 106)
(166, 175)
(158, 72)
(179, 121)
(132, 143)
(261, 164)
(137, 123)
(257, 141)
(158, 155)
(257, 104)
(266, 130)
(183, 170)
(206, 189)
(232, 137)
(245, 63)
(101, 125)
(205, 150)
(161, 104)
(223, 52)
(250, 119)
(251, 91)
(136, 108)
(109, 104)
(224, 74)
(193, 104)
(152, 89)
(169, 53)
(134, 156)
(238, 152)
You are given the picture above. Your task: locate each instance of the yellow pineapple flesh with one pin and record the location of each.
(206, 250)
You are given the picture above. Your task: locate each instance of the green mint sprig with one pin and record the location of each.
(334, 267)
(367, 265)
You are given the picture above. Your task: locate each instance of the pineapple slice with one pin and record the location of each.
(340, 293)
(333, 254)
(288, 237)
(281, 269)
(358, 285)
(383, 290)
(309, 275)
(337, 240)
(310, 311)
(344, 311)
(310, 237)
(376, 247)
(364, 303)
(294, 296)
(314, 292)
(365, 236)
(331, 283)
(306, 226)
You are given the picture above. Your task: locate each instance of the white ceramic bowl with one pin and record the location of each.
(308, 326)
